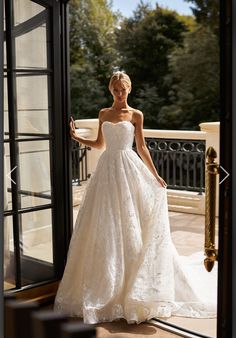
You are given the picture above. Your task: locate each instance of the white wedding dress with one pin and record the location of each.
(121, 261)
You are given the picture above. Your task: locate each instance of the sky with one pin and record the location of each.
(126, 7)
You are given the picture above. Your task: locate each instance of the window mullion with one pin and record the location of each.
(11, 85)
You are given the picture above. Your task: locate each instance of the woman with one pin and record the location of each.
(121, 261)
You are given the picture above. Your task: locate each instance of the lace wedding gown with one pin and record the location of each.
(121, 261)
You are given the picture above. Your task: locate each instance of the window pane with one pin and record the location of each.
(31, 49)
(7, 180)
(36, 257)
(37, 234)
(25, 10)
(6, 122)
(4, 18)
(4, 54)
(35, 179)
(32, 104)
(9, 262)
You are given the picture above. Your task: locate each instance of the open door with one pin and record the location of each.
(36, 189)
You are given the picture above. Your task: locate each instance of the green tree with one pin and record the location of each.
(93, 54)
(194, 78)
(149, 101)
(87, 93)
(144, 42)
(207, 13)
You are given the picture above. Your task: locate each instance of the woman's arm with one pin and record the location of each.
(98, 143)
(142, 148)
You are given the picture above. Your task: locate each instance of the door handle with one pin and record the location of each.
(212, 170)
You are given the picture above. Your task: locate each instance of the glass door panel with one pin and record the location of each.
(36, 246)
(9, 257)
(29, 158)
(32, 46)
(25, 10)
(6, 120)
(7, 180)
(33, 104)
(34, 170)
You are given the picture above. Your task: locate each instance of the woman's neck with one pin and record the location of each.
(120, 105)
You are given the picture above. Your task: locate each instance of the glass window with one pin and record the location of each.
(5, 55)
(37, 234)
(32, 104)
(37, 246)
(4, 18)
(31, 48)
(6, 121)
(25, 10)
(9, 261)
(7, 179)
(34, 172)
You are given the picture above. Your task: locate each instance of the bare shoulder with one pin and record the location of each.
(137, 116)
(102, 113)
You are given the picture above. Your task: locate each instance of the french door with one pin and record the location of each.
(36, 189)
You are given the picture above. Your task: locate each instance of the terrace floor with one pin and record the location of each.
(187, 232)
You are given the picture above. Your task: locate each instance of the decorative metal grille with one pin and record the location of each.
(181, 163)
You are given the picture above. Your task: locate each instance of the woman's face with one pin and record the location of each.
(120, 91)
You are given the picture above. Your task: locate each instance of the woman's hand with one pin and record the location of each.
(72, 128)
(161, 181)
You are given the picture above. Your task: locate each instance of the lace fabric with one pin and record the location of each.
(122, 262)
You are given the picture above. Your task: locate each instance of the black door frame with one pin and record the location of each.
(1, 169)
(227, 220)
(59, 138)
(233, 151)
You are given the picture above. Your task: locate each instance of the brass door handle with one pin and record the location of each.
(212, 170)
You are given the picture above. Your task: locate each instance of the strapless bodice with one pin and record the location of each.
(118, 136)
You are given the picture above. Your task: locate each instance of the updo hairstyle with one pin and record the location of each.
(122, 77)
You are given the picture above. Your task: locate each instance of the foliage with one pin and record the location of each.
(149, 101)
(172, 59)
(194, 95)
(144, 42)
(87, 93)
(207, 13)
(93, 53)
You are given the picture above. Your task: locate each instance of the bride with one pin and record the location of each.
(121, 261)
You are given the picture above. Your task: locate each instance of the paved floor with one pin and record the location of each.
(187, 231)
(123, 330)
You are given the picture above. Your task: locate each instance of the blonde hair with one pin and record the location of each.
(119, 76)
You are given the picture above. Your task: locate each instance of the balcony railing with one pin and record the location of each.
(179, 156)
(79, 163)
(181, 163)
